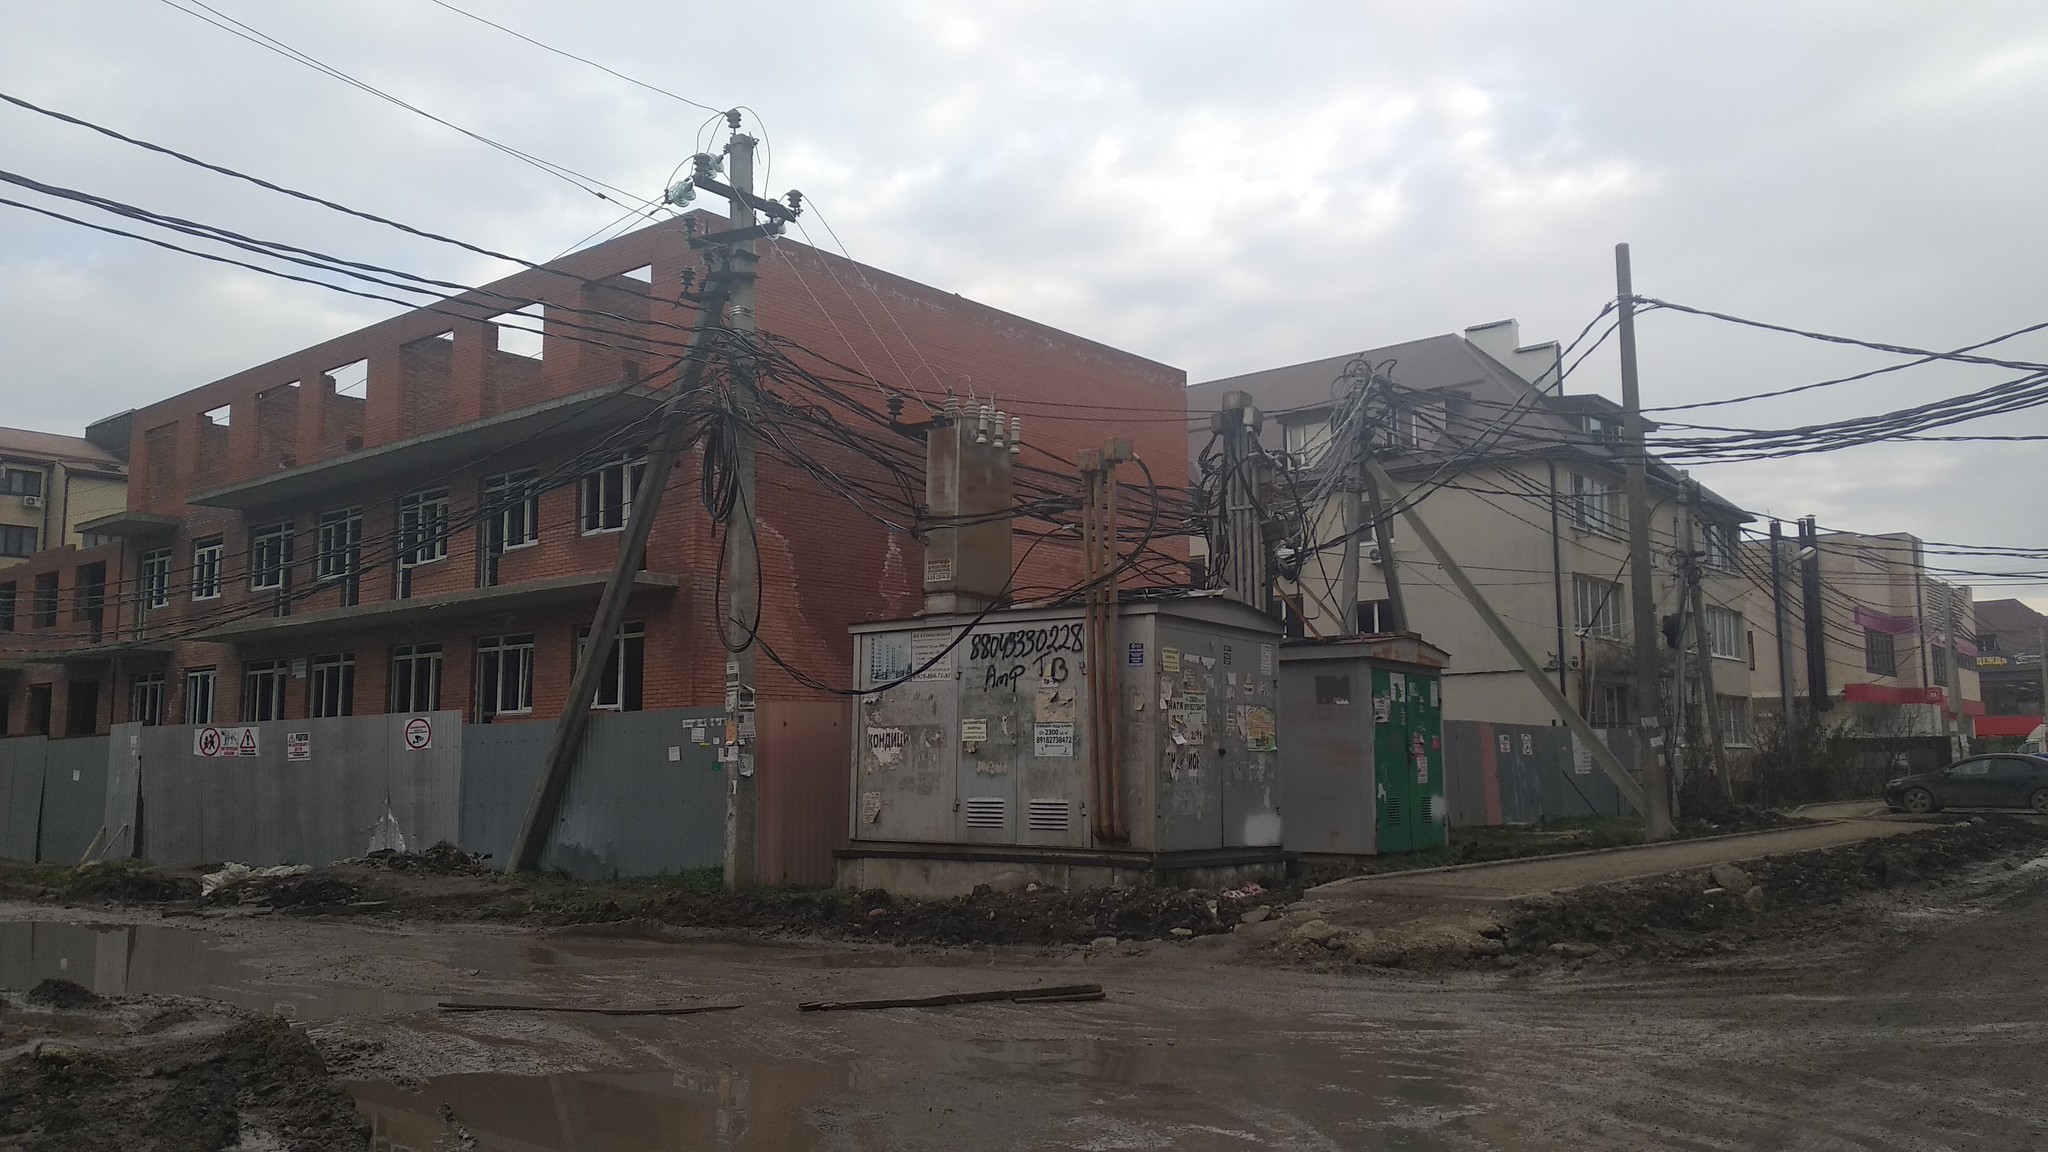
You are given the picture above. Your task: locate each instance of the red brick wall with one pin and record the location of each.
(825, 564)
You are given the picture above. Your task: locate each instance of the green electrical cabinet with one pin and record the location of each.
(1361, 746)
(1408, 760)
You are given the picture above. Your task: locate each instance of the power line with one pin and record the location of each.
(579, 59)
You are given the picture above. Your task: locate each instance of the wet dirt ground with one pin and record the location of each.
(1919, 1025)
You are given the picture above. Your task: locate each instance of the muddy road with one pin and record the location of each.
(1916, 1025)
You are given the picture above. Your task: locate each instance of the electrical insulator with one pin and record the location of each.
(895, 409)
(952, 407)
(1001, 421)
(981, 425)
(1016, 435)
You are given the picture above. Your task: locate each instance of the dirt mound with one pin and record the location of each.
(128, 882)
(58, 993)
(1045, 916)
(251, 1083)
(443, 859)
(1702, 913)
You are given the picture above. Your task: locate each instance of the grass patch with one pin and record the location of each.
(561, 892)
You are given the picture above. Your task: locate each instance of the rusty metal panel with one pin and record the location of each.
(801, 789)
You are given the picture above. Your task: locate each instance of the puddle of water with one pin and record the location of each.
(1067, 1094)
(116, 960)
(1107, 1075)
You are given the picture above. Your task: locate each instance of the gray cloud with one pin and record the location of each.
(1224, 187)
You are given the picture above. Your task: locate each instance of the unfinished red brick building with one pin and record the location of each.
(271, 563)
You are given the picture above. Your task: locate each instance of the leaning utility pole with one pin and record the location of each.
(1703, 653)
(1650, 743)
(1623, 782)
(1781, 623)
(567, 740)
(742, 552)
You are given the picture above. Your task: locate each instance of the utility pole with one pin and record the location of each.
(743, 560)
(1818, 698)
(1353, 495)
(1702, 640)
(567, 740)
(1623, 782)
(1238, 522)
(1650, 743)
(1781, 625)
(1383, 539)
(2041, 664)
(1951, 625)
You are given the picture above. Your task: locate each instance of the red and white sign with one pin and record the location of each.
(419, 733)
(220, 743)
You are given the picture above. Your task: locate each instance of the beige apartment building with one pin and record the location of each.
(1883, 638)
(1524, 486)
(49, 486)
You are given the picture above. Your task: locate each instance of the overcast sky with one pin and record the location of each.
(1223, 187)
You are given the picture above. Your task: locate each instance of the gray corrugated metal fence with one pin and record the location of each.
(1527, 774)
(21, 796)
(359, 786)
(74, 797)
(647, 796)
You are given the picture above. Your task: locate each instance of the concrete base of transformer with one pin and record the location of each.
(936, 871)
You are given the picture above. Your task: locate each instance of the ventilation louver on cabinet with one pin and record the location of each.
(987, 812)
(1048, 815)
(1393, 810)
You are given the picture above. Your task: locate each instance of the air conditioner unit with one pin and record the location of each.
(31, 501)
(1373, 556)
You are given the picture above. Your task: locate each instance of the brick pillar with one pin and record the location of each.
(475, 341)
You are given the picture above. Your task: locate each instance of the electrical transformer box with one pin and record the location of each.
(990, 732)
(1364, 764)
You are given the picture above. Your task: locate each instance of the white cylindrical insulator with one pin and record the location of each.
(1016, 434)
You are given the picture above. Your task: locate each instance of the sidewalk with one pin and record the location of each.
(1514, 879)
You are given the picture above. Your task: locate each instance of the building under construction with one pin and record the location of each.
(418, 517)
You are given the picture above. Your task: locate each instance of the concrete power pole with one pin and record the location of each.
(1952, 622)
(567, 739)
(1651, 744)
(1353, 496)
(743, 560)
(2041, 664)
(1781, 624)
(1702, 642)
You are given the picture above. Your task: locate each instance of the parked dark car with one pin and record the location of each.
(2008, 780)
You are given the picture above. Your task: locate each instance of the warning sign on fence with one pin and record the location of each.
(218, 743)
(419, 733)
